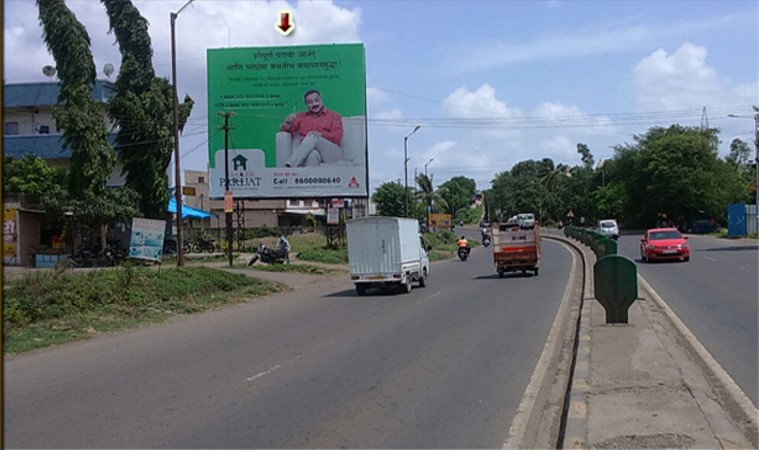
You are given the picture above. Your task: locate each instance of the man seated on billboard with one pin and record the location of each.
(320, 131)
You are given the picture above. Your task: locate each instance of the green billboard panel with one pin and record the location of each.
(297, 121)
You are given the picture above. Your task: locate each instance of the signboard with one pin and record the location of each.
(440, 221)
(276, 94)
(147, 239)
(229, 204)
(10, 236)
(333, 216)
(188, 190)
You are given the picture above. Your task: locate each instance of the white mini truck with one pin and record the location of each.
(386, 252)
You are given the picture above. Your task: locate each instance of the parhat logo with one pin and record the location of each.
(240, 162)
(353, 183)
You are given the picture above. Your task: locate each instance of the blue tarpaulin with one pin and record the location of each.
(188, 212)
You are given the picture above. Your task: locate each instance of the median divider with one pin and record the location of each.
(636, 382)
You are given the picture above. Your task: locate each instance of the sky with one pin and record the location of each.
(490, 83)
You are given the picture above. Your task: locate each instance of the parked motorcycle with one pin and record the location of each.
(463, 253)
(270, 256)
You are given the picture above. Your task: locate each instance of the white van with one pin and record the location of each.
(526, 220)
(386, 251)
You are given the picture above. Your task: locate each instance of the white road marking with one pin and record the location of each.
(745, 269)
(710, 258)
(278, 366)
(264, 373)
(430, 297)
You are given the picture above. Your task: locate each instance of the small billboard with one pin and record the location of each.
(440, 221)
(298, 128)
(146, 241)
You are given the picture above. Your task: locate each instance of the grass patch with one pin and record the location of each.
(323, 255)
(42, 309)
(307, 269)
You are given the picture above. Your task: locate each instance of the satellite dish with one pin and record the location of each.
(48, 71)
(108, 69)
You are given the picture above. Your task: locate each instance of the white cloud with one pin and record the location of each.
(560, 148)
(375, 96)
(392, 114)
(606, 39)
(677, 81)
(482, 103)
(562, 116)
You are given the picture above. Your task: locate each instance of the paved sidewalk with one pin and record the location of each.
(644, 384)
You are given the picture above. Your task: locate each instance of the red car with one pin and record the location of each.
(664, 243)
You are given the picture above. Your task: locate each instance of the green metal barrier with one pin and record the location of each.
(615, 280)
(604, 247)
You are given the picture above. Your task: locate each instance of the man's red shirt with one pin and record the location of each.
(328, 123)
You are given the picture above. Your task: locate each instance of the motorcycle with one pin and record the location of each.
(485, 241)
(463, 253)
(267, 255)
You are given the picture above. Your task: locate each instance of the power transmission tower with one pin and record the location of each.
(704, 120)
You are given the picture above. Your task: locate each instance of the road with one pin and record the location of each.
(443, 366)
(716, 295)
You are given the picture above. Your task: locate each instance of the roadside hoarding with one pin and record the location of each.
(10, 236)
(146, 241)
(262, 86)
(440, 221)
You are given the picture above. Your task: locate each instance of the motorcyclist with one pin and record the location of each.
(283, 244)
(463, 245)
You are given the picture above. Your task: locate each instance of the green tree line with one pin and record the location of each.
(672, 173)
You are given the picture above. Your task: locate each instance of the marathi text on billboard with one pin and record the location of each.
(299, 123)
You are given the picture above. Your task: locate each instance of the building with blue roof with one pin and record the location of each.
(29, 127)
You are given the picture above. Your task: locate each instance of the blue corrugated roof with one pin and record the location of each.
(46, 93)
(46, 146)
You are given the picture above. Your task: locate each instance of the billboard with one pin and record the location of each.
(298, 123)
(440, 221)
(146, 241)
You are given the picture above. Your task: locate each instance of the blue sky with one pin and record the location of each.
(490, 82)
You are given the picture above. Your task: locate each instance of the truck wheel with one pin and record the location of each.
(407, 287)
(423, 279)
(536, 272)
(500, 273)
(361, 289)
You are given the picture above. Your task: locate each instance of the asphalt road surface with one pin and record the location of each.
(717, 296)
(443, 366)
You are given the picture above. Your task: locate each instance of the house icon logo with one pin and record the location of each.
(240, 162)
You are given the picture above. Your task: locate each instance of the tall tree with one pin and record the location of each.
(390, 199)
(587, 156)
(78, 115)
(740, 154)
(142, 107)
(83, 123)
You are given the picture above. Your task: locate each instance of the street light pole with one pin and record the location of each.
(405, 167)
(175, 114)
(427, 164)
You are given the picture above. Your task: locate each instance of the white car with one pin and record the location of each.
(609, 228)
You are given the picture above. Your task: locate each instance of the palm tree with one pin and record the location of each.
(427, 193)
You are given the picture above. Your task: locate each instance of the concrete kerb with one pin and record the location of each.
(723, 406)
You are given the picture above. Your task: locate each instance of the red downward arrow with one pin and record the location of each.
(284, 22)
